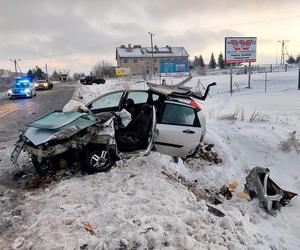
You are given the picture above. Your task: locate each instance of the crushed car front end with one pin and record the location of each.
(62, 133)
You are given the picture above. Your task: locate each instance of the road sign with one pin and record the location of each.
(240, 49)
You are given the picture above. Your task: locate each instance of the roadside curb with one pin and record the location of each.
(3, 94)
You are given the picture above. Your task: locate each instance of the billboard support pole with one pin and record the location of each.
(231, 79)
(249, 75)
(299, 80)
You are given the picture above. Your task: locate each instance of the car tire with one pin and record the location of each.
(96, 158)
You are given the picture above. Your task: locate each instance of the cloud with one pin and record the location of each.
(79, 33)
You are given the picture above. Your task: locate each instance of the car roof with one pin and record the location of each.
(169, 89)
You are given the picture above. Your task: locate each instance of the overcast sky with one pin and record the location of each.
(76, 34)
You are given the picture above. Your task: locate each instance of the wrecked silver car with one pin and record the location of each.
(165, 118)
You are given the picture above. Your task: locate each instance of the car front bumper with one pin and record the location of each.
(19, 95)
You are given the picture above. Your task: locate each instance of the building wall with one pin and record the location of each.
(141, 66)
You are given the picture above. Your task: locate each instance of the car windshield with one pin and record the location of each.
(21, 85)
(41, 81)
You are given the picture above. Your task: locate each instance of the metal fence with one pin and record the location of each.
(239, 70)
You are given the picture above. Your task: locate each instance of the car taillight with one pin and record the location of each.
(195, 104)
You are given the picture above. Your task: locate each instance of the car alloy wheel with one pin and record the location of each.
(98, 160)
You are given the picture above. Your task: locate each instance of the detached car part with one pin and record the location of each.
(270, 195)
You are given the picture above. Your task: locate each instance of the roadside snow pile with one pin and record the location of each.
(135, 207)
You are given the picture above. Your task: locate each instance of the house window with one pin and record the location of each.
(125, 60)
(135, 60)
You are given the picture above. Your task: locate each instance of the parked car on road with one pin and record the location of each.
(166, 118)
(22, 87)
(89, 80)
(43, 85)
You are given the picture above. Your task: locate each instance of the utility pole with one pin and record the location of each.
(46, 66)
(283, 51)
(151, 38)
(15, 62)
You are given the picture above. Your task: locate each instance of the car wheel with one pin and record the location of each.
(96, 158)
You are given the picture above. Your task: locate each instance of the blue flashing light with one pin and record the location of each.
(23, 81)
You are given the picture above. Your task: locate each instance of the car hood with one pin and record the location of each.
(19, 88)
(58, 126)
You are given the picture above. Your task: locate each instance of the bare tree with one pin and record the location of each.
(103, 69)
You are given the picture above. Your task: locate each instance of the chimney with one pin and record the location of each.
(129, 49)
(123, 46)
(155, 47)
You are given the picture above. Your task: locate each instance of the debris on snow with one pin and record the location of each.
(205, 151)
(270, 195)
(215, 211)
(88, 227)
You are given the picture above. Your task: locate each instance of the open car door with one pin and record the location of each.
(179, 129)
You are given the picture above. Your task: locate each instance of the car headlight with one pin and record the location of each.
(45, 84)
(27, 91)
(9, 91)
(36, 85)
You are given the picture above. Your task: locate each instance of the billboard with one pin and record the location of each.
(177, 67)
(122, 71)
(240, 49)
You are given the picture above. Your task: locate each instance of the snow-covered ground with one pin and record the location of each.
(134, 206)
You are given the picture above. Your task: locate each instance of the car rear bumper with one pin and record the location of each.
(42, 87)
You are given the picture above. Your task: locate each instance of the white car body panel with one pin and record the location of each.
(173, 141)
(177, 140)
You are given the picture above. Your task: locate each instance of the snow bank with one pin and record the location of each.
(135, 207)
(127, 208)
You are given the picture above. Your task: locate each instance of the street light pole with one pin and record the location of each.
(151, 38)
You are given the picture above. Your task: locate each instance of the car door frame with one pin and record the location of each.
(110, 109)
(177, 149)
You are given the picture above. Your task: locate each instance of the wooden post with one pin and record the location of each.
(249, 75)
(231, 78)
(266, 81)
(271, 68)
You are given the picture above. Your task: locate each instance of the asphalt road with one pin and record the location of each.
(15, 114)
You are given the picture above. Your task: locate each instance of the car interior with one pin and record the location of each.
(139, 104)
(135, 135)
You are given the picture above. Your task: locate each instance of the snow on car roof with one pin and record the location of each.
(147, 52)
(169, 89)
